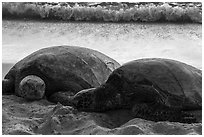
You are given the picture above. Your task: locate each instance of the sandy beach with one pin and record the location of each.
(43, 117)
(122, 42)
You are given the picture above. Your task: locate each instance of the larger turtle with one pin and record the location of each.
(155, 89)
(57, 72)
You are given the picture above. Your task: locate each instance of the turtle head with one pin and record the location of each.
(97, 99)
(103, 98)
(31, 87)
(85, 100)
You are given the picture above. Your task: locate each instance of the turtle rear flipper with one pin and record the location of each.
(150, 112)
(7, 86)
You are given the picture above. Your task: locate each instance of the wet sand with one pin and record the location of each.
(123, 42)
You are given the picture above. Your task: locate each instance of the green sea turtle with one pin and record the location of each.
(155, 89)
(57, 73)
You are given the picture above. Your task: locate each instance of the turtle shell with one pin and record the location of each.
(64, 68)
(179, 84)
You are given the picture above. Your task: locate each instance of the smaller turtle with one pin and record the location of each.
(58, 73)
(153, 88)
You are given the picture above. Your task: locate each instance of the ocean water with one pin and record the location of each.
(121, 41)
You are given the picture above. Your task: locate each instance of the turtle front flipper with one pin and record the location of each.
(64, 98)
(7, 86)
(156, 113)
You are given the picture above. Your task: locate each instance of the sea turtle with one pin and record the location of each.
(154, 88)
(57, 73)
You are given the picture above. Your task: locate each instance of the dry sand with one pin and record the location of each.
(123, 42)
